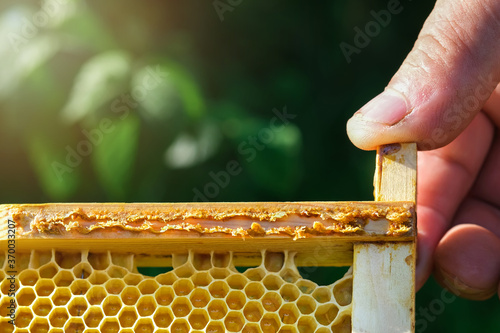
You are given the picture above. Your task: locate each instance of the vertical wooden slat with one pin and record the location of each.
(384, 273)
(396, 173)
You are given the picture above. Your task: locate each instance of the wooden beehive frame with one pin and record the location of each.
(377, 238)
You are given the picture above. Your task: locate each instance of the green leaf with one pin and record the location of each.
(81, 27)
(162, 99)
(21, 57)
(58, 179)
(190, 149)
(194, 105)
(114, 155)
(177, 83)
(100, 80)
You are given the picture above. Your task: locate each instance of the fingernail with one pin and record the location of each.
(387, 108)
(460, 288)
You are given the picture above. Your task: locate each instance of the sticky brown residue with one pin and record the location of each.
(297, 220)
(257, 229)
(319, 227)
(390, 149)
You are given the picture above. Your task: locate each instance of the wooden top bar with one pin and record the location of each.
(295, 220)
(156, 228)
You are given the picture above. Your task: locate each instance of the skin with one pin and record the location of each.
(449, 84)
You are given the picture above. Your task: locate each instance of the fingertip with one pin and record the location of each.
(362, 133)
(467, 262)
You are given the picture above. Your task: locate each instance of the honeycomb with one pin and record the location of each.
(204, 292)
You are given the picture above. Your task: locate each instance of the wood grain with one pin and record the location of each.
(396, 173)
(384, 273)
(322, 233)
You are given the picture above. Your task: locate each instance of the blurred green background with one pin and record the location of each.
(150, 101)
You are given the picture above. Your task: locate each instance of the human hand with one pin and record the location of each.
(446, 98)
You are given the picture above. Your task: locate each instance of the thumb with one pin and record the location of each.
(451, 71)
